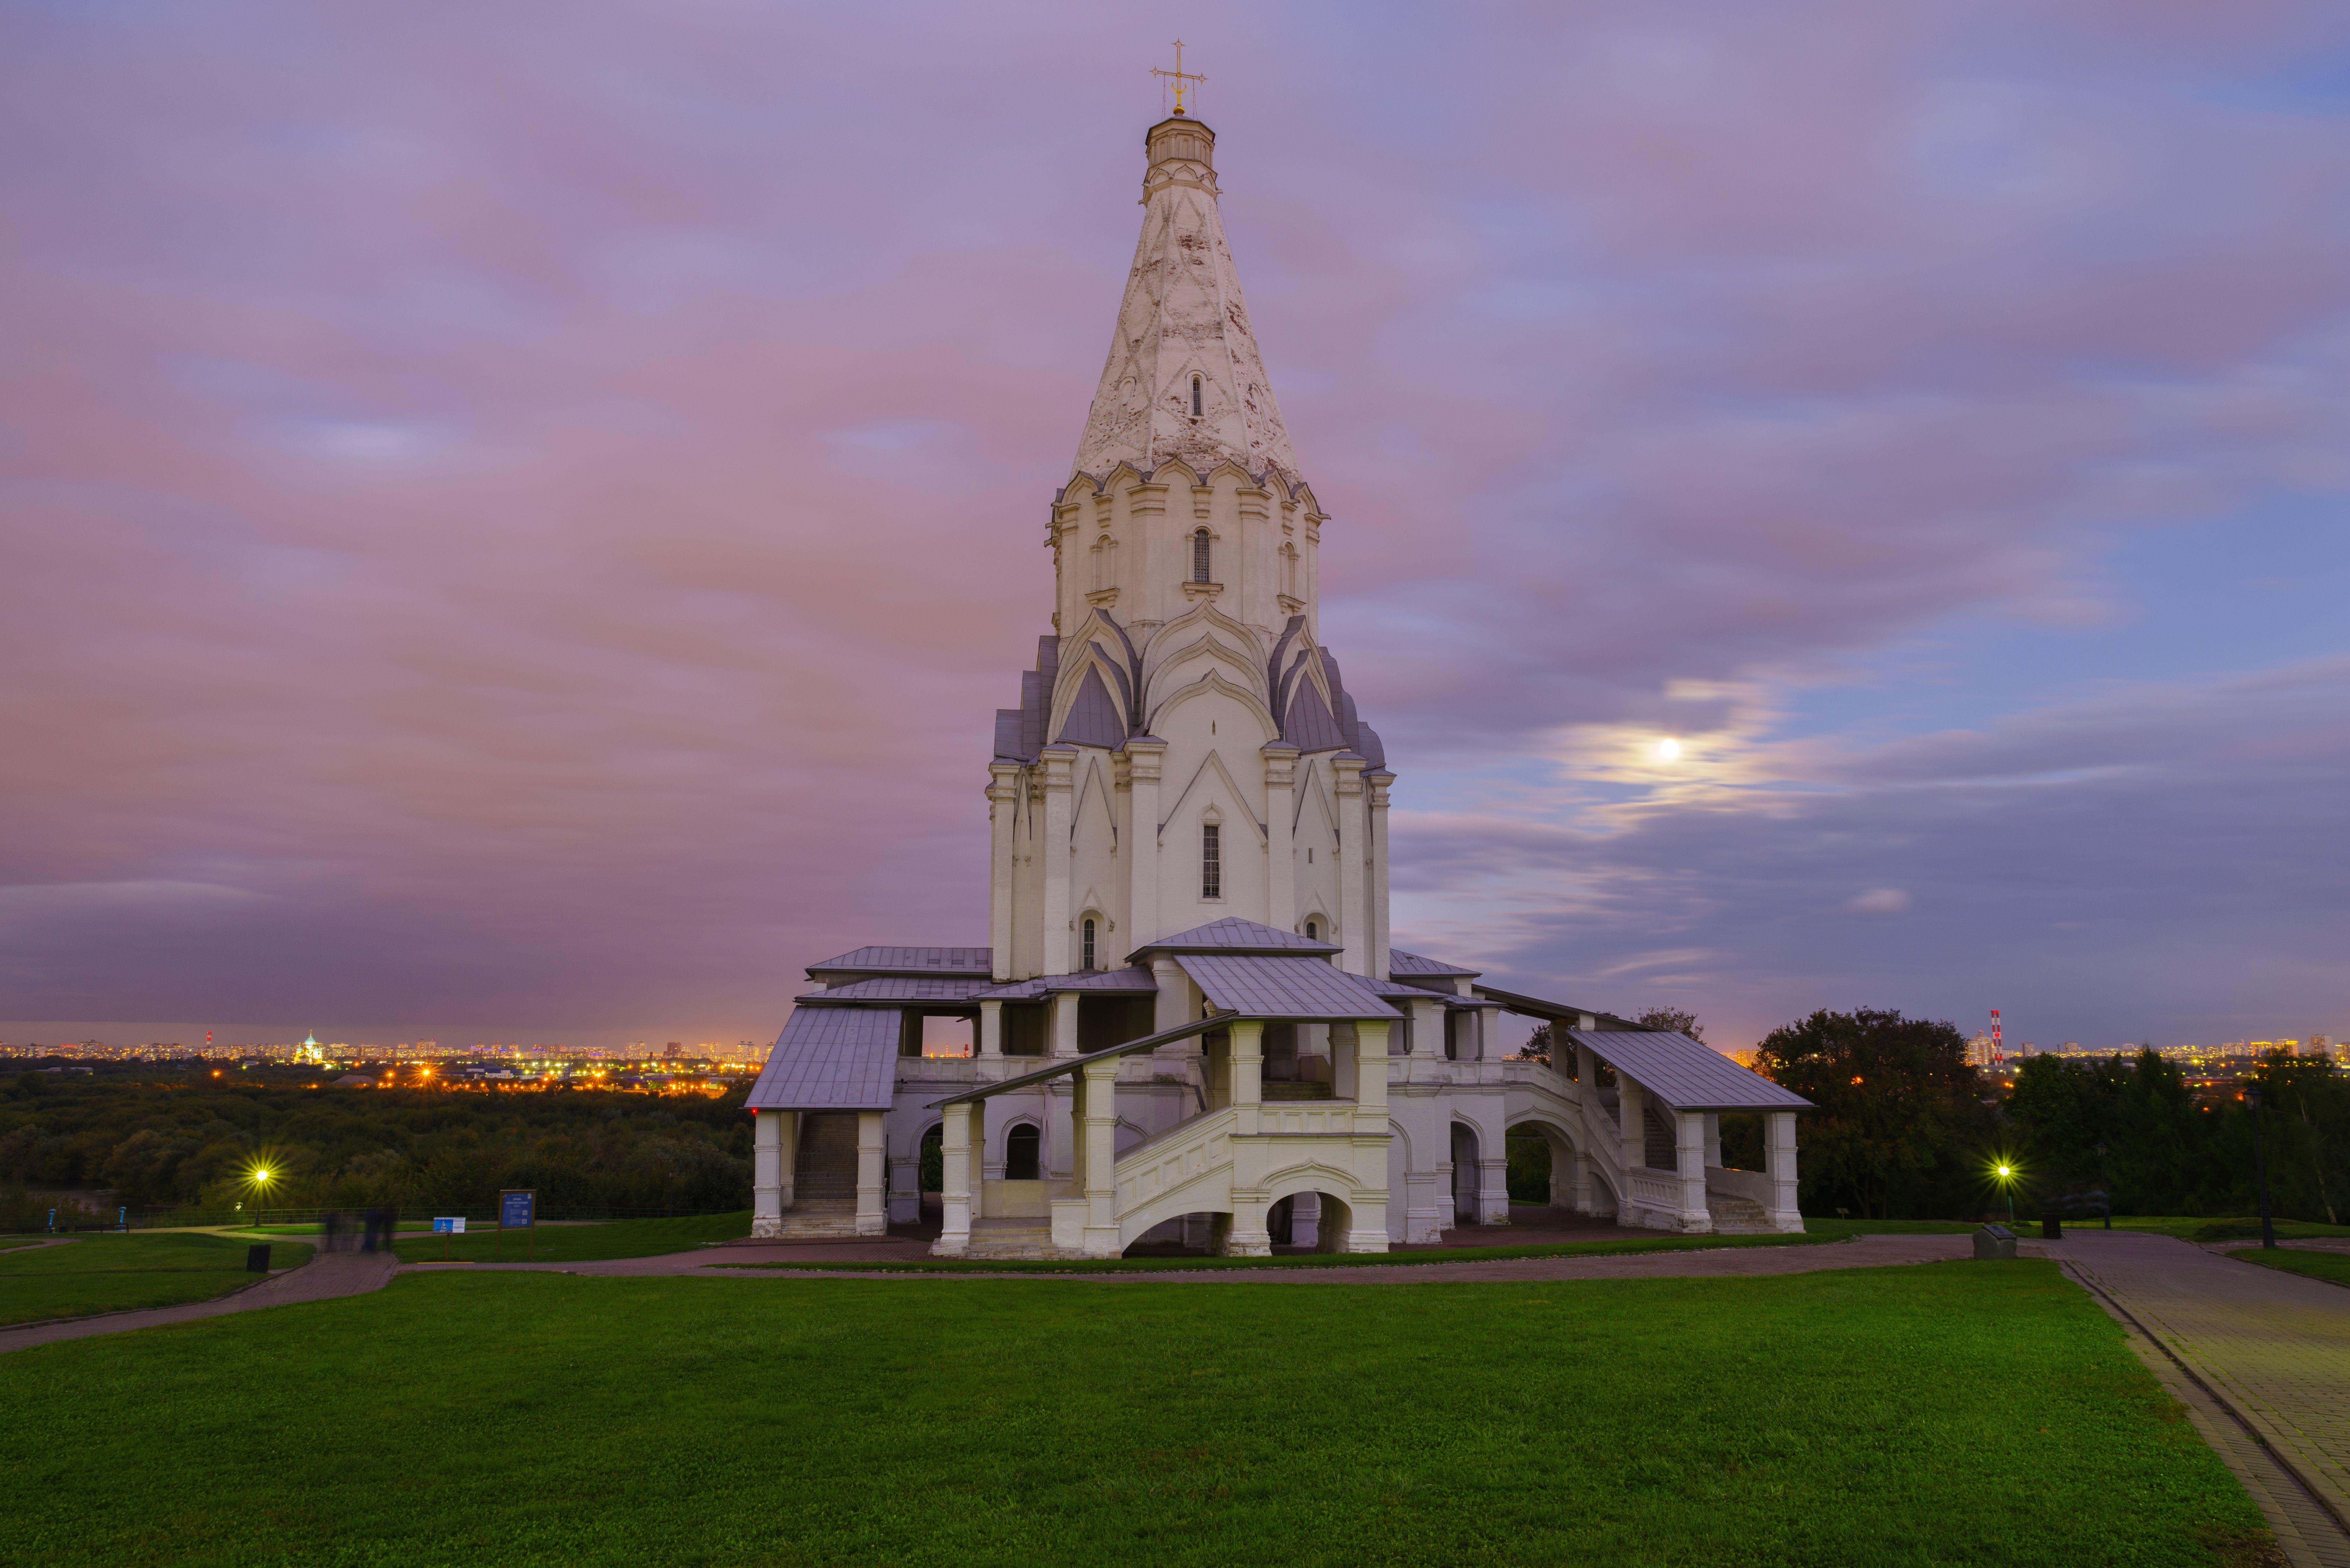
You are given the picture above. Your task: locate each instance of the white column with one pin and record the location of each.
(1689, 1148)
(788, 1157)
(1426, 1028)
(1354, 911)
(1065, 1024)
(767, 1173)
(1779, 1160)
(1631, 1128)
(1143, 760)
(1248, 1079)
(1280, 779)
(954, 1200)
(1344, 1060)
(1172, 1007)
(1713, 1141)
(905, 1187)
(872, 1175)
(1378, 783)
(1003, 805)
(1367, 1225)
(991, 1028)
(1059, 765)
(1099, 1136)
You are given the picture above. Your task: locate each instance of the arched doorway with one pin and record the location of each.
(1023, 1146)
(1464, 1174)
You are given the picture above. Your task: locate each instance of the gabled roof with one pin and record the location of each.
(890, 989)
(909, 960)
(830, 1059)
(1132, 982)
(1234, 935)
(1301, 988)
(1095, 717)
(1685, 1074)
(1402, 962)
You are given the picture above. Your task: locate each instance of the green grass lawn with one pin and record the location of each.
(1600, 1247)
(2334, 1266)
(1980, 1414)
(577, 1243)
(112, 1272)
(2192, 1228)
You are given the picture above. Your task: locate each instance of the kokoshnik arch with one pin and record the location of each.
(1190, 1022)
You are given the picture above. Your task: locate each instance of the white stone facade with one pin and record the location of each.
(1189, 833)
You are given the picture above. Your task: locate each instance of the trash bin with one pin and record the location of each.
(2052, 1229)
(257, 1258)
(1994, 1241)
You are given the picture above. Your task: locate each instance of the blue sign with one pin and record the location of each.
(448, 1226)
(517, 1210)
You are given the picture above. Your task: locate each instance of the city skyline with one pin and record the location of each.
(522, 542)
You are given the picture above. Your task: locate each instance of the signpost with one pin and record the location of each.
(518, 1210)
(448, 1226)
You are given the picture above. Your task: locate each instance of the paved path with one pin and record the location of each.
(326, 1275)
(1868, 1253)
(2260, 1357)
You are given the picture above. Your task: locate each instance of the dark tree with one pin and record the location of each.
(1678, 1019)
(1901, 1121)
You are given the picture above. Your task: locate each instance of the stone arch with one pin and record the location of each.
(1465, 1150)
(1021, 1145)
(1342, 1202)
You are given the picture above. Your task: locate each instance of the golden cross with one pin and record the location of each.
(1178, 75)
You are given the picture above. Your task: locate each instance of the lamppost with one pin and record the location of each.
(2006, 1174)
(2260, 1166)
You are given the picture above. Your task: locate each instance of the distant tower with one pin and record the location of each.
(1997, 1056)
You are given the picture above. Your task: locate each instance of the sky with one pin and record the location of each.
(514, 520)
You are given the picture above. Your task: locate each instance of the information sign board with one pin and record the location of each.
(517, 1207)
(450, 1225)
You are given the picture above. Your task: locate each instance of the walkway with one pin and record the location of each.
(2260, 1358)
(327, 1275)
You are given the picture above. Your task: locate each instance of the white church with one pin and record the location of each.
(1190, 1026)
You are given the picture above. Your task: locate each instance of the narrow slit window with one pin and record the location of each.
(1195, 397)
(1313, 930)
(1211, 860)
(1202, 558)
(1088, 944)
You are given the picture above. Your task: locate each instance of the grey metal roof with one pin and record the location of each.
(1095, 719)
(1686, 1075)
(897, 988)
(1302, 988)
(1235, 934)
(1309, 725)
(830, 1059)
(1402, 962)
(1395, 992)
(909, 960)
(1132, 982)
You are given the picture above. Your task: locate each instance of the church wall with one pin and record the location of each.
(1097, 867)
(1219, 726)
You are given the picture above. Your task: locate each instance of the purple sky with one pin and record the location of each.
(514, 520)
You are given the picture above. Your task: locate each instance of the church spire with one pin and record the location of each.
(1184, 379)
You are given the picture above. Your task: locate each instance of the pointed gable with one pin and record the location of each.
(1309, 726)
(1095, 717)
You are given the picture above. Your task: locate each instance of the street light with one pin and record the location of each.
(2260, 1166)
(2005, 1173)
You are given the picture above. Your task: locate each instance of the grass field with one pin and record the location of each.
(111, 1273)
(1981, 1414)
(2207, 1228)
(2334, 1266)
(577, 1243)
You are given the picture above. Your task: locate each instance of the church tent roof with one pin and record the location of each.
(1235, 936)
(897, 988)
(830, 1059)
(1686, 1073)
(1308, 989)
(909, 960)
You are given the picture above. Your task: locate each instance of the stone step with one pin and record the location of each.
(819, 1217)
(1275, 1089)
(1734, 1215)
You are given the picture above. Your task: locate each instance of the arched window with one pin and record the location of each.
(1313, 930)
(1020, 1146)
(1211, 860)
(1087, 929)
(1201, 560)
(1195, 397)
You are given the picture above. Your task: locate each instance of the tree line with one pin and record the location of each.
(188, 1141)
(1905, 1128)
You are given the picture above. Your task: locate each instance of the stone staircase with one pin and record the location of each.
(819, 1217)
(1013, 1237)
(1736, 1216)
(1295, 1089)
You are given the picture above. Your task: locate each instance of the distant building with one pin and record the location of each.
(1979, 1050)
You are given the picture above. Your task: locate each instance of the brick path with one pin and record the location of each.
(2262, 1358)
(326, 1275)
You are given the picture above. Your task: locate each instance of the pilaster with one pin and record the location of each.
(1247, 1036)
(767, 1173)
(1280, 787)
(1688, 1163)
(872, 1175)
(1378, 784)
(1779, 1163)
(1099, 1138)
(1059, 766)
(954, 1196)
(1631, 1132)
(991, 1028)
(1065, 1024)
(1145, 758)
(1003, 805)
(1354, 831)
